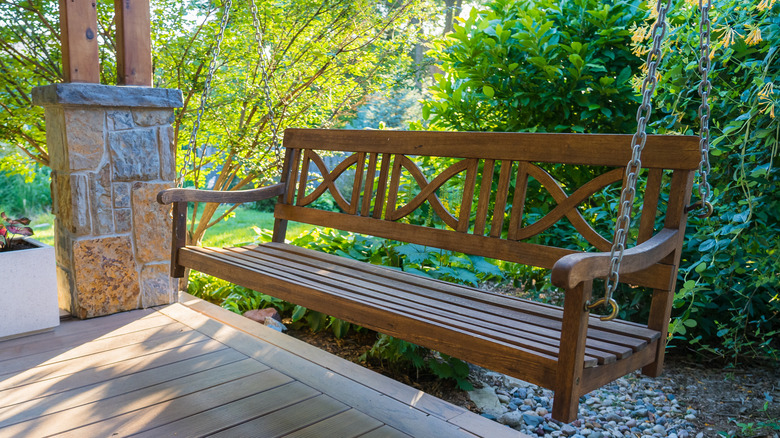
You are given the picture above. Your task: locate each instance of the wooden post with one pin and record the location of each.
(134, 42)
(78, 25)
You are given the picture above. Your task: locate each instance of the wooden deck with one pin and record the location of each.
(193, 369)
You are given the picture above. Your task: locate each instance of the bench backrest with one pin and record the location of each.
(491, 194)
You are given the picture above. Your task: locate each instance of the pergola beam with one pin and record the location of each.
(134, 42)
(78, 25)
(80, 59)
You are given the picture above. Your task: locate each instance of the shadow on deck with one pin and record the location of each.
(194, 369)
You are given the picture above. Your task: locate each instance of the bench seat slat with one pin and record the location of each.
(617, 331)
(431, 298)
(384, 302)
(420, 305)
(402, 294)
(536, 367)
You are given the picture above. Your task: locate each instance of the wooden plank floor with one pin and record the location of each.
(192, 369)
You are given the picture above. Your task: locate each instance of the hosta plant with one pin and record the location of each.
(11, 230)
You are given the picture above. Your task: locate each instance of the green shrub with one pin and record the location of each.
(512, 68)
(25, 193)
(541, 65)
(728, 301)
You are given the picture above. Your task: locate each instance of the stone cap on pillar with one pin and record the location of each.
(106, 95)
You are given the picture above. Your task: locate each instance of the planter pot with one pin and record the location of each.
(28, 291)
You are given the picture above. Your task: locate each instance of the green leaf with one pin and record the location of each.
(576, 60)
(707, 245)
(298, 313)
(316, 321)
(488, 90)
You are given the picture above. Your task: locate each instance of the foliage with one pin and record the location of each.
(321, 58)
(30, 56)
(728, 302)
(511, 68)
(11, 228)
(394, 111)
(537, 66)
(27, 193)
(404, 354)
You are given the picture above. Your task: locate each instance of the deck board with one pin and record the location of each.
(192, 369)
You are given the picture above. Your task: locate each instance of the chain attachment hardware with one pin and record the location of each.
(706, 205)
(634, 166)
(705, 86)
(603, 301)
(192, 152)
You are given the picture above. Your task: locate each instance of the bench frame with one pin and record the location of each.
(371, 209)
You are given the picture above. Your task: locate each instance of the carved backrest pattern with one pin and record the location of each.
(376, 178)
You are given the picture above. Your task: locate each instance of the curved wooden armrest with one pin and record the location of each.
(237, 196)
(573, 269)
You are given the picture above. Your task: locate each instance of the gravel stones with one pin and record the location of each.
(629, 407)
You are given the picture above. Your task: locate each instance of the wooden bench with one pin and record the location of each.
(564, 349)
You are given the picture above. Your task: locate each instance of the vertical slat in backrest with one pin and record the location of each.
(381, 162)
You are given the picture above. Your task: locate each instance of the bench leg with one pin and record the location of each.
(179, 239)
(660, 311)
(571, 356)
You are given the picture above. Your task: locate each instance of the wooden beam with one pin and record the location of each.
(134, 42)
(78, 25)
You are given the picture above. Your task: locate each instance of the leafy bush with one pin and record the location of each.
(23, 191)
(728, 302)
(541, 65)
(513, 67)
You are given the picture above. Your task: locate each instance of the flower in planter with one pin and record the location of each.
(12, 227)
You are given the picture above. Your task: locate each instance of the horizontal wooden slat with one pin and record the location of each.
(74, 417)
(637, 331)
(457, 342)
(490, 320)
(656, 276)
(495, 316)
(661, 151)
(116, 386)
(86, 376)
(398, 302)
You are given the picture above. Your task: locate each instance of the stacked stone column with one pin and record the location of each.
(111, 152)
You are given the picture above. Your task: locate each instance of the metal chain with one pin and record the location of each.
(704, 109)
(206, 89)
(634, 166)
(266, 87)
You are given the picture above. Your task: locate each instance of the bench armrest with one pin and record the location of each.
(573, 269)
(230, 197)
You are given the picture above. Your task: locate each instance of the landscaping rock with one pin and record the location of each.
(260, 315)
(486, 400)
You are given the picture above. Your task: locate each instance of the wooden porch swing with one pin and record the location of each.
(565, 349)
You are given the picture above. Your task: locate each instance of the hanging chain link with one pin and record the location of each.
(635, 165)
(705, 87)
(192, 155)
(266, 87)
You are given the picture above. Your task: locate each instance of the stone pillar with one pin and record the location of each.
(111, 151)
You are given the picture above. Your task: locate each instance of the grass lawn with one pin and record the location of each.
(233, 231)
(43, 228)
(239, 229)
